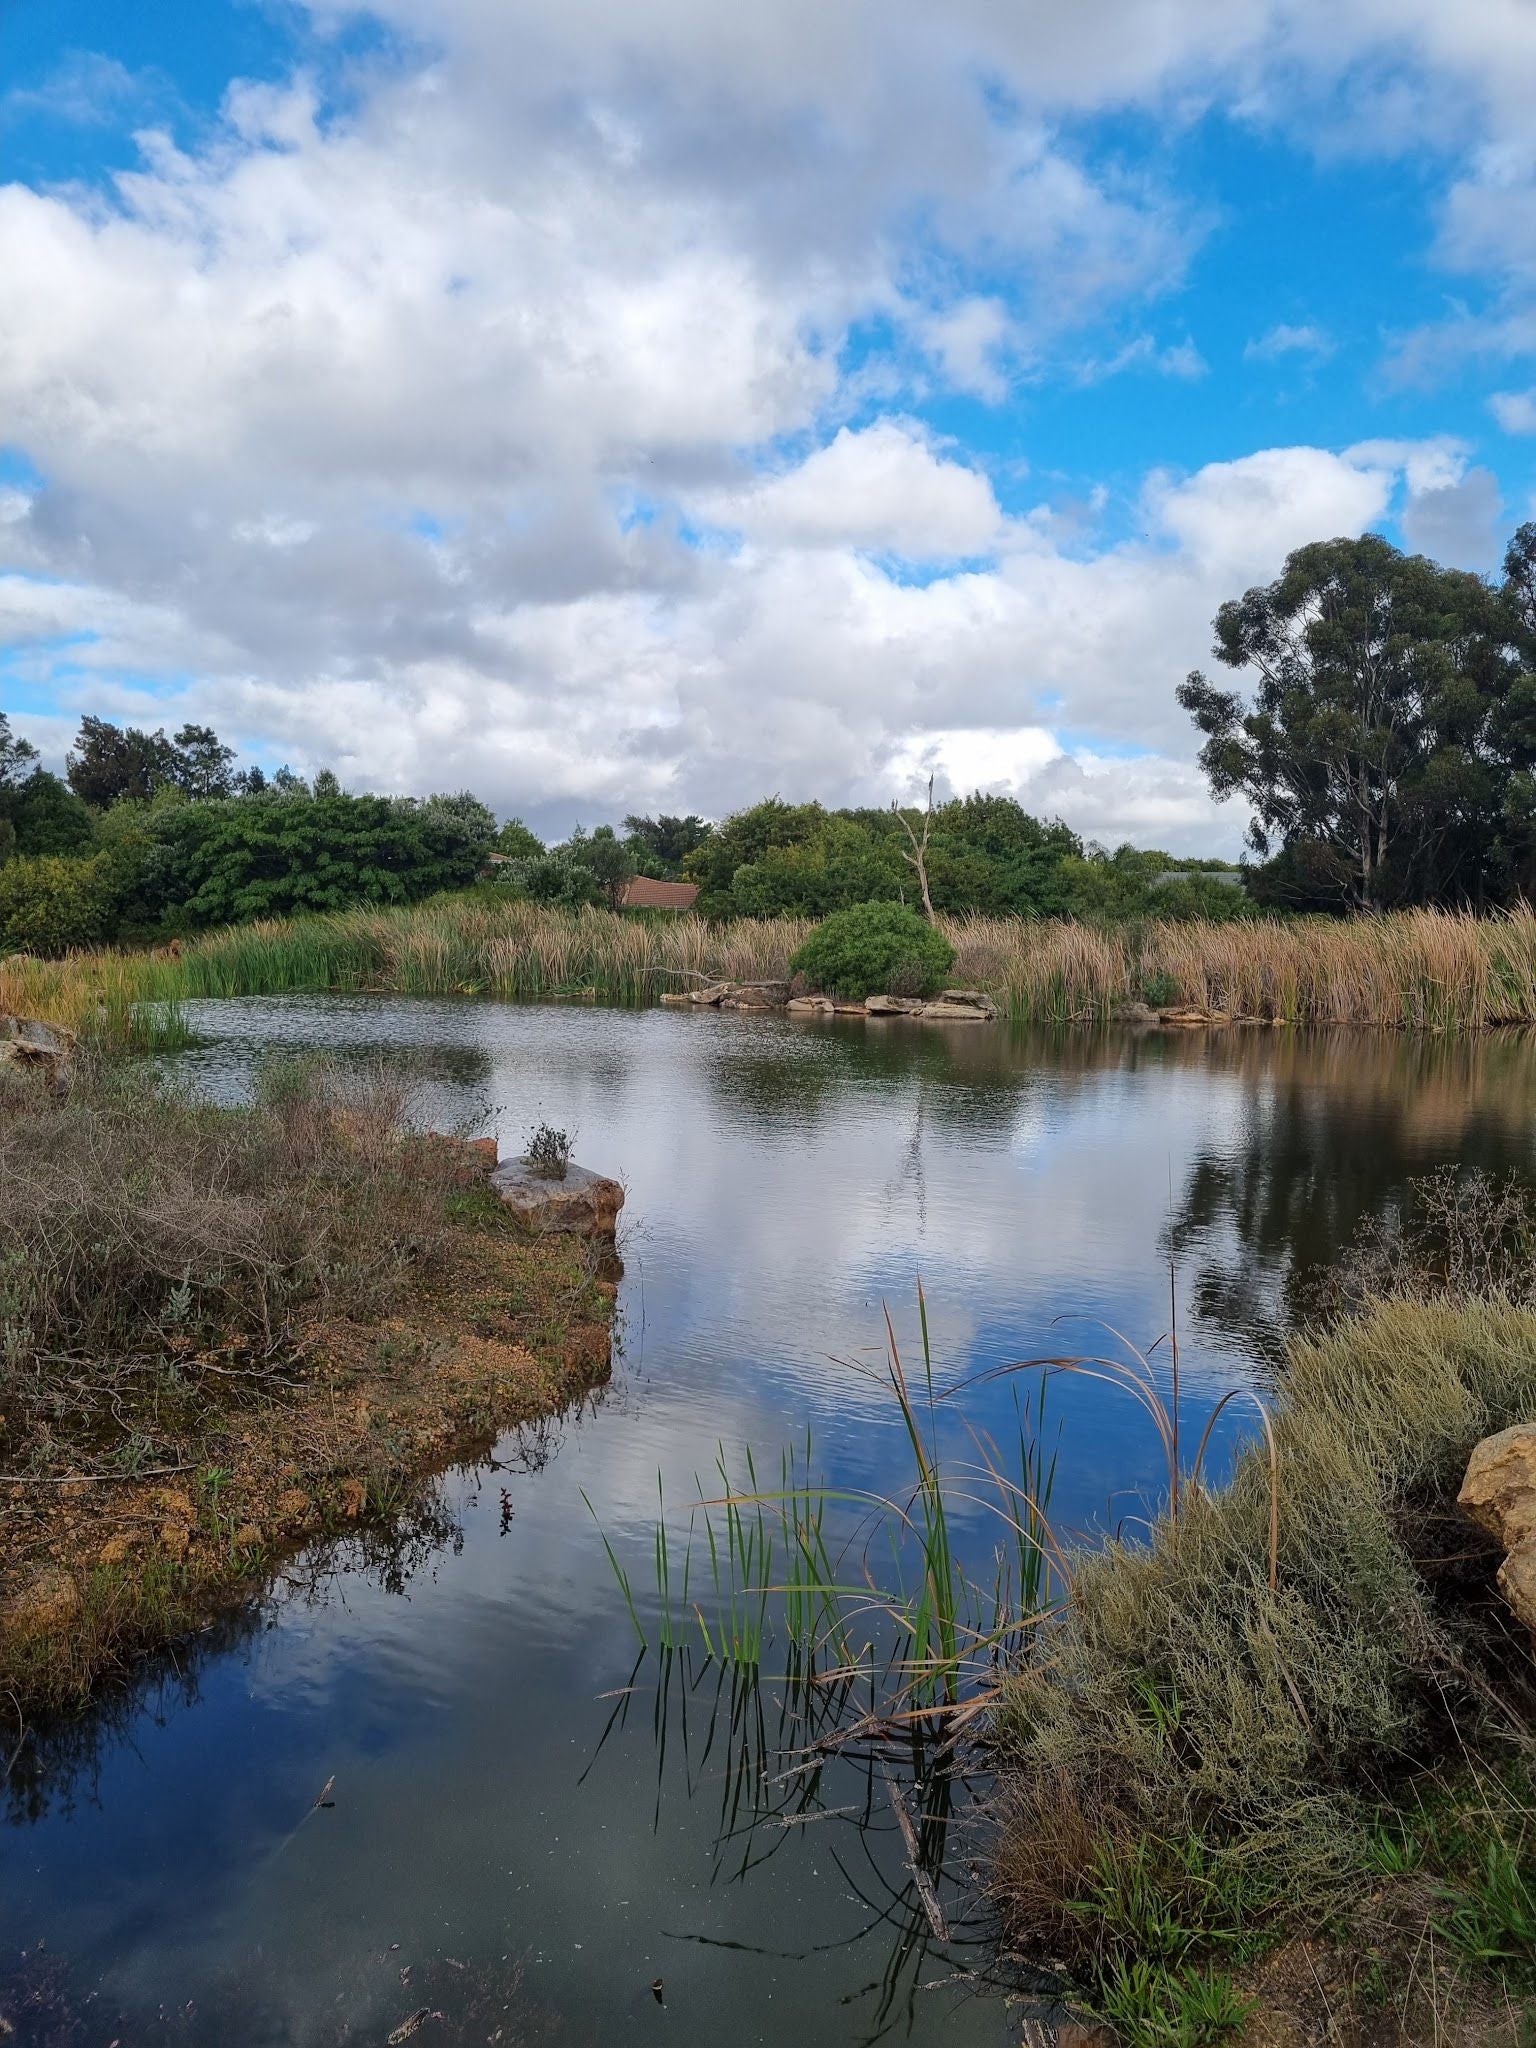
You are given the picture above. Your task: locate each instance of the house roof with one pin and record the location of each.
(644, 894)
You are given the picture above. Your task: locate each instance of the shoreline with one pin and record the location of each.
(341, 1432)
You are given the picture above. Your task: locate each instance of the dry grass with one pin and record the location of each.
(1415, 970)
(222, 1329)
(1191, 1748)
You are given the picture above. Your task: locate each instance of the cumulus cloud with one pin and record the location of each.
(1515, 411)
(1307, 340)
(507, 421)
(884, 488)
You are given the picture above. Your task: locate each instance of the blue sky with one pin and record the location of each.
(646, 407)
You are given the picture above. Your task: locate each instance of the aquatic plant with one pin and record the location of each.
(1412, 970)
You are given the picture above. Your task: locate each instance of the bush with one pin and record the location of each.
(875, 946)
(51, 904)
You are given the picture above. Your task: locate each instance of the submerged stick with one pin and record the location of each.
(920, 1877)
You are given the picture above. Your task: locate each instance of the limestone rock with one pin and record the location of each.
(584, 1203)
(942, 1010)
(893, 1006)
(27, 1042)
(1499, 1491)
(765, 995)
(960, 1006)
(1517, 1581)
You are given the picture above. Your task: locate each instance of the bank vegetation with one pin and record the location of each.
(223, 1330)
(1408, 970)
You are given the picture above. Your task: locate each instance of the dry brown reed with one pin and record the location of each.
(1413, 970)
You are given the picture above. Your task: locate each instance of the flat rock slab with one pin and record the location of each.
(584, 1204)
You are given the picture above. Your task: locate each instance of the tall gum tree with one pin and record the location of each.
(1376, 731)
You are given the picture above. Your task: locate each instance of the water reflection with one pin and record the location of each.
(497, 1808)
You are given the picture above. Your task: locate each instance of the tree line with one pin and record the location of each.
(1386, 750)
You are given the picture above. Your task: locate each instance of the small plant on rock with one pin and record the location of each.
(549, 1151)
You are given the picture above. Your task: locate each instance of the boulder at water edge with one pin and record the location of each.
(584, 1203)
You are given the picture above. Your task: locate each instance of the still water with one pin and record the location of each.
(517, 1843)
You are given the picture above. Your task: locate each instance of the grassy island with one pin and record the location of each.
(225, 1330)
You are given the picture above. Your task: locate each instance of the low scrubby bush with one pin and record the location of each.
(875, 947)
(144, 1234)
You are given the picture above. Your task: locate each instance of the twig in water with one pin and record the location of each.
(920, 1877)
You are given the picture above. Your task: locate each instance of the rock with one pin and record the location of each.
(353, 1496)
(1499, 1491)
(942, 1011)
(810, 1006)
(766, 995)
(584, 1203)
(960, 1006)
(1517, 1581)
(892, 1006)
(26, 1042)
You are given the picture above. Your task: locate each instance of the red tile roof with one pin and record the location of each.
(644, 894)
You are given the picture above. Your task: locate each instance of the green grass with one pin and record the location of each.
(1270, 1688)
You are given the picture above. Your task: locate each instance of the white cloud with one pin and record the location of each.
(390, 427)
(1457, 523)
(1307, 339)
(1515, 411)
(883, 488)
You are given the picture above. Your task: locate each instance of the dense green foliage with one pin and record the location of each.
(50, 903)
(270, 855)
(875, 947)
(1390, 749)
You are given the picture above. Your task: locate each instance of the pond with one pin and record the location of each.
(524, 1840)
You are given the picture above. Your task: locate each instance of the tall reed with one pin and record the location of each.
(1413, 970)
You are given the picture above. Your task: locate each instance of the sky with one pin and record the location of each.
(649, 405)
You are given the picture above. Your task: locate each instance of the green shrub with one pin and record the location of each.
(875, 946)
(50, 904)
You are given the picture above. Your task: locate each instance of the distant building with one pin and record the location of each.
(644, 894)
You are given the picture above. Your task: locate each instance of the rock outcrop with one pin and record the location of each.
(583, 1203)
(27, 1042)
(1499, 1493)
(960, 1006)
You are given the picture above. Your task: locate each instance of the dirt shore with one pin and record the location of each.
(98, 1570)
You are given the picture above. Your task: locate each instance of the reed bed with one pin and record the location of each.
(1413, 970)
